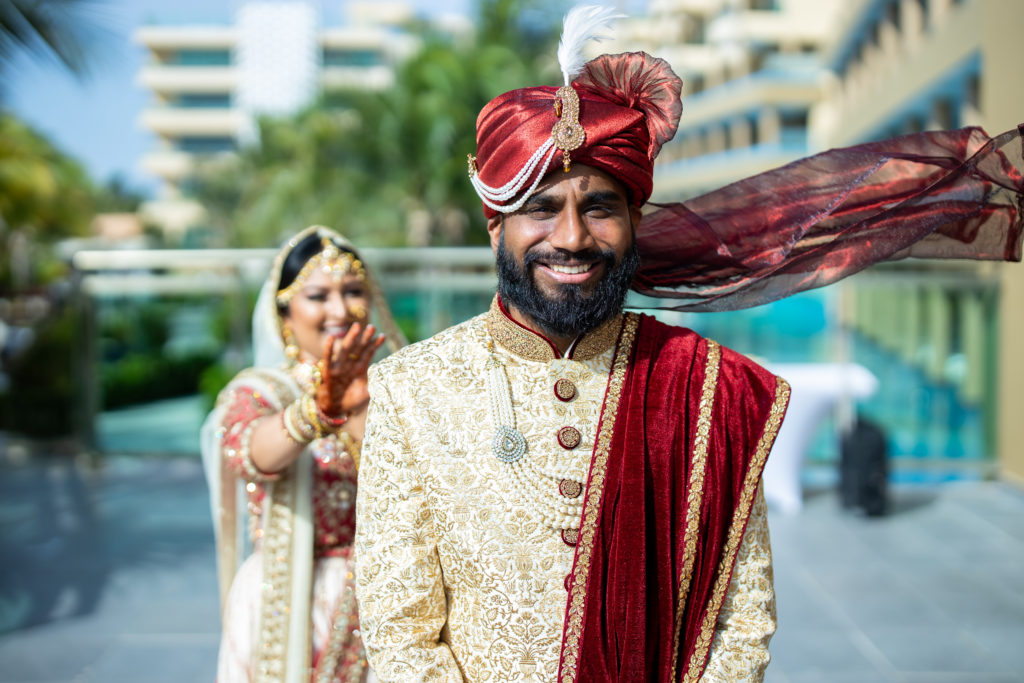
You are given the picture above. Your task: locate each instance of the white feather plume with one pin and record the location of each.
(583, 23)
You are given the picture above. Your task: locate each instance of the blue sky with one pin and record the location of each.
(95, 119)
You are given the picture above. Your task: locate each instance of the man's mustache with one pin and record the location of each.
(566, 257)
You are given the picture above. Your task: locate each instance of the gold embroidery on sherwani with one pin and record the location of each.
(592, 505)
(457, 579)
(527, 344)
(735, 536)
(696, 490)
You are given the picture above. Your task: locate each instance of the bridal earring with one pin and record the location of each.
(291, 348)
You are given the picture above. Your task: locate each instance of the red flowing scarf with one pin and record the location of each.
(684, 434)
(949, 194)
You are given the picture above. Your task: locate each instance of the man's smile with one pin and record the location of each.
(570, 273)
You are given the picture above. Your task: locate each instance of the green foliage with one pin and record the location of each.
(39, 186)
(384, 168)
(212, 380)
(44, 196)
(116, 196)
(143, 377)
(42, 401)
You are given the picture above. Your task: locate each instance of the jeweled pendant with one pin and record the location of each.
(508, 444)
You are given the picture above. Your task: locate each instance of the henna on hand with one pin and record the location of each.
(343, 370)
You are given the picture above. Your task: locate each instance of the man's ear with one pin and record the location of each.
(494, 227)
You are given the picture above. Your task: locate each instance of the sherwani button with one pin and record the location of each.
(569, 438)
(570, 537)
(570, 488)
(565, 390)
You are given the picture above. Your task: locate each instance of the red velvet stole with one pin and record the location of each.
(672, 480)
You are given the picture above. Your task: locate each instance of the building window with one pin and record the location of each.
(793, 127)
(892, 15)
(973, 93)
(199, 100)
(361, 58)
(764, 5)
(695, 31)
(923, 4)
(201, 58)
(206, 145)
(695, 83)
(944, 114)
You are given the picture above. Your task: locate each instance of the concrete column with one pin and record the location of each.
(972, 334)
(912, 318)
(912, 19)
(1003, 106)
(716, 141)
(940, 328)
(769, 126)
(739, 133)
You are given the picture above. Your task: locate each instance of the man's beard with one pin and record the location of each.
(572, 311)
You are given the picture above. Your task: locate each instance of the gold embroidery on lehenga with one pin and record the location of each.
(276, 599)
(595, 490)
(735, 537)
(696, 490)
(343, 659)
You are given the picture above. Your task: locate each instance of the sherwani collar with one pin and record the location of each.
(520, 340)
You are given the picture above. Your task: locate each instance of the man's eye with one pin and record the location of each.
(599, 210)
(317, 297)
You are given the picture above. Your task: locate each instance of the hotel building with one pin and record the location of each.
(210, 83)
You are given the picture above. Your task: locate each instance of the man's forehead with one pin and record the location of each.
(587, 178)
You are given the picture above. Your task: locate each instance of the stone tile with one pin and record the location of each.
(157, 659)
(1005, 646)
(801, 651)
(937, 677)
(842, 677)
(931, 649)
(40, 655)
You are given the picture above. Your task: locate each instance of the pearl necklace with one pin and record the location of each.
(538, 489)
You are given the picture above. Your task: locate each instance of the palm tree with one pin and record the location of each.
(52, 28)
(44, 196)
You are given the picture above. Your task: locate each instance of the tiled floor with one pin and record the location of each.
(107, 575)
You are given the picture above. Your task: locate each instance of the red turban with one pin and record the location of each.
(628, 107)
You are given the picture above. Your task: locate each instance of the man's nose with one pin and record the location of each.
(571, 232)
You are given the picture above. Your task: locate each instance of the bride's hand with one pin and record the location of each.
(343, 370)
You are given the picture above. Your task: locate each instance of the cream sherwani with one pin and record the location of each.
(459, 578)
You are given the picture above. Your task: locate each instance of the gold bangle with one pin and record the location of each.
(289, 428)
(297, 424)
(309, 415)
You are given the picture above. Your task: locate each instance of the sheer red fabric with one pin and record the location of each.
(950, 194)
(628, 629)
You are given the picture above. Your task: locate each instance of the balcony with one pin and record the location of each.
(165, 80)
(197, 37)
(356, 77)
(170, 165)
(176, 122)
